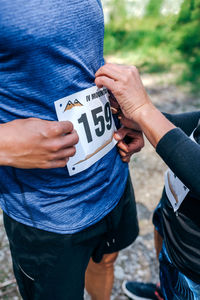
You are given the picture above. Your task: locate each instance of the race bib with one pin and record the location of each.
(90, 113)
(176, 191)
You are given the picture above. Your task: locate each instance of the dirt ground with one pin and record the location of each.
(137, 262)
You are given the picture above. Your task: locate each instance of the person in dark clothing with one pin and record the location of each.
(176, 139)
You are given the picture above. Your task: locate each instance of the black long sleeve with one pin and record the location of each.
(181, 229)
(186, 121)
(180, 153)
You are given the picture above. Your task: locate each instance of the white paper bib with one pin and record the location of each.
(89, 111)
(176, 191)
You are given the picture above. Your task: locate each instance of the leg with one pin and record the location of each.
(99, 277)
(158, 241)
(140, 290)
(158, 232)
(47, 265)
(175, 285)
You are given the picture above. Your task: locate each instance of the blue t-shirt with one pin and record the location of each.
(50, 49)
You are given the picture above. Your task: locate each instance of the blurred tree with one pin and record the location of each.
(189, 37)
(153, 8)
(118, 13)
(186, 11)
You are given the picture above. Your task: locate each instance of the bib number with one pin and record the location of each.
(102, 122)
(90, 113)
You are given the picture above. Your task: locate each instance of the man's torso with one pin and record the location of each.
(49, 50)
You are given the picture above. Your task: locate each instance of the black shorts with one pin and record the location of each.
(52, 266)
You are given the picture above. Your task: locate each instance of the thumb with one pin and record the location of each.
(121, 133)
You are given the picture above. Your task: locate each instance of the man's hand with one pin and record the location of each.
(35, 143)
(129, 142)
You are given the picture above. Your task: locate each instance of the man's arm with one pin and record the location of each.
(35, 143)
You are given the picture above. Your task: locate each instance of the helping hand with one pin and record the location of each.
(125, 84)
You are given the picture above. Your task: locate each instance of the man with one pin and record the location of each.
(57, 221)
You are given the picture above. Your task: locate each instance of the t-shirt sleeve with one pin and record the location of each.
(182, 155)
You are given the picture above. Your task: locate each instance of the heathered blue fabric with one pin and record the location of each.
(50, 49)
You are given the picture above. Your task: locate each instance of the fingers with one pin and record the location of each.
(64, 153)
(126, 158)
(58, 159)
(115, 108)
(62, 142)
(134, 146)
(55, 164)
(121, 133)
(55, 128)
(129, 142)
(105, 81)
(65, 127)
(112, 71)
(69, 140)
(128, 123)
(123, 146)
(63, 150)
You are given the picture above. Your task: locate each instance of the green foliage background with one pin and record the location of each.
(153, 8)
(157, 43)
(188, 40)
